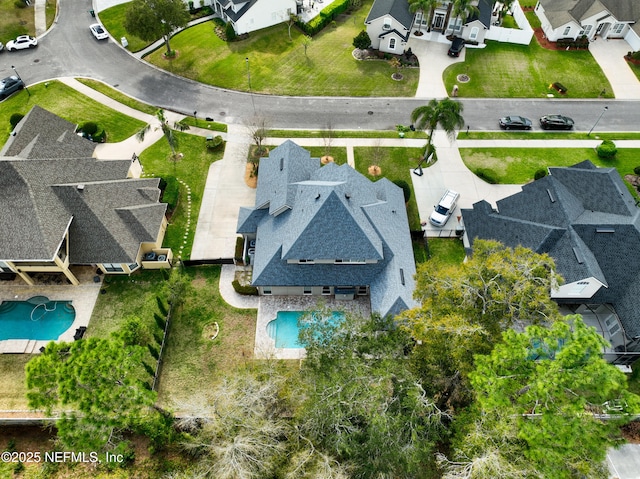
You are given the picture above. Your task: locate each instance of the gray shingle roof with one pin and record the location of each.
(398, 9)
(334, 213)
(108, 216)
(583, 217)
(561, 12)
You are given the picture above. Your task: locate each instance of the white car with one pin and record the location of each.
(21, 43)
(98, 31)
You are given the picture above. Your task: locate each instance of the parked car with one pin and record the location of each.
(98, 31)
(556, 122)
(10, 85)
(515, 123)
(22, 42)
(444, 209)
(456, 47)
(1, 46)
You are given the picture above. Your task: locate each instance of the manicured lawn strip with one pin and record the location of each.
(526, 71)
(113, 20)
(546, 135)
(446, 250)
(13, 391)
(50, 12)
(339, 153)
(518, 165)
(194, 362)
(118, 96)
(193, 170)
(15, 21)
(635, 69)
(344, 134)
(395, 164)
(208, 125)
(278, 65)
(70, 105)
(533, 19)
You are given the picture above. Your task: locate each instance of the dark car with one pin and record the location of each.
(515, 123)
(10, 85)
(556, 122)
(456, 47)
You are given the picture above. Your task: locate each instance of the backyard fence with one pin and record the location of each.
(513, 35)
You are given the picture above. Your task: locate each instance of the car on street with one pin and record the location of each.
(456, 47)
(556, 122)
(1, 46)
(98, 31)
(22, 42)
(515, 123)
(10, 85)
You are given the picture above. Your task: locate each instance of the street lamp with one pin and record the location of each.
(25, 86)
(249, 82)
(594, 125)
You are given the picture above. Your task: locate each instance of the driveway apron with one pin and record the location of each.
(610, 56)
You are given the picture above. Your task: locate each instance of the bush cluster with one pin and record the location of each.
(541, 173)
(327, 15)
(579, 43)
(214, 143)
(607, 149)
(246, 290)
(486, 175)
(14, 119)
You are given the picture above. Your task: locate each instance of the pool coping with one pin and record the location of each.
(265, 346)
(83, 299)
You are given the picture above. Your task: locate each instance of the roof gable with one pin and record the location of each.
(398, 9)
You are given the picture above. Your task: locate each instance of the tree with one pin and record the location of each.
(362, 41)
(100, 381)
(152, 19)
(423, 6)
(259, 129)
(362, 404)
(538, 395)
(293, 18)
(446, 112)
(167, 131)
(465, 308)
(463, 9)
(230, 32)
(306, 43)
(396, 65)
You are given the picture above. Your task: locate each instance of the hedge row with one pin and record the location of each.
(247, 290)
(327, 15)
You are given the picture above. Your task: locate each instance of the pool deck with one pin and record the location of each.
(265, 346)
(83, 298)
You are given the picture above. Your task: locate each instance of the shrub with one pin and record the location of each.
(635, 55)
(636, 170)
(541, 173)
(214, 143)
(15, 119)
(19, 4)
(246, 290)
(239, 248)
(190, 5)
(161, 305)
(607, 149)
(158, 336)
(171, 192)
(486, 175)
(89, 127)
(362, 40)
(149, 369)
(153, 350)
(100, 137)
(406, 190)
(160, 321)
(229, 32)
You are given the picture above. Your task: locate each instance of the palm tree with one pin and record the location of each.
(424, 6)
(167, 131)
(447, 113)
(463, 9)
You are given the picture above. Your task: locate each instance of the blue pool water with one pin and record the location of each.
(37, 318)
(284, 329)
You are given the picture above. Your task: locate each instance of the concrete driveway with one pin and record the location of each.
(610, 56)
(433, 60)
(624, 462)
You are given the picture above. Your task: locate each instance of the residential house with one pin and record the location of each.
(585, 218)
(592, 18)
(250, 15)
(390, 23)
(328, 231)
(61, 208)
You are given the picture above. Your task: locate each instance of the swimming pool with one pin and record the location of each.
(36, 318)
(284, 329)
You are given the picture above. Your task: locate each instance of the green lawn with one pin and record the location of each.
(279, 66)
(13, 391)
(70, 105)
(546, 135)
(339, 153)
(192, 169)
(113, 20)
(344, 134)
(15, 21)
(518, 165)
(503, 70)
(395, 164)
(635, 69)
(118, 96)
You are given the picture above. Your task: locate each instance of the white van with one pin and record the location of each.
(444, 208)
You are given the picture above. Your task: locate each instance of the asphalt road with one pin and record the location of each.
(69, 49)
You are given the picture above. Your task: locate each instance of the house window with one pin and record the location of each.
(455, 24)
(307, 291)
(386, 24)
(326, 290)
(566, 31)
(266, 291)
(474, 33)
(585, 30)
(113, 267)
(362, 290)
(392, 43)
(418, 20)
(617, 28)
(305, 261)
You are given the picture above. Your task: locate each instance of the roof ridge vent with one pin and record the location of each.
(551, 197)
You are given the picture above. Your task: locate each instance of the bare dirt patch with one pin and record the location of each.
(374, 170)
(326, 159)
(250, 177)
